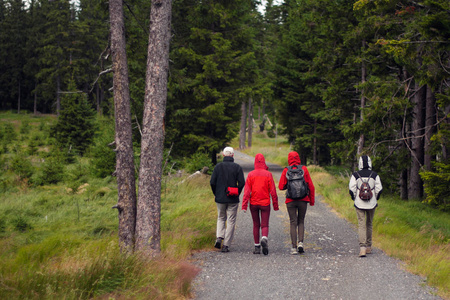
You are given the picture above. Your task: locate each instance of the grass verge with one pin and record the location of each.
(61, 245)
(410, 231)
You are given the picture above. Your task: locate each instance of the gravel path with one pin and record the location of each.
(329, 269)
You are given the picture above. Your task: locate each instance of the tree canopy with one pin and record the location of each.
(342, 78)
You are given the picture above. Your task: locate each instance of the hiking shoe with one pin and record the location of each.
(362, 252)
(225, 249)
(294, 251)
(368, 250)
(300, 247)
(257, 250)
(218, 243)
(265, 246)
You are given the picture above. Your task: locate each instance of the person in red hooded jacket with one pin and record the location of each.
(297, 207)
(259, 187)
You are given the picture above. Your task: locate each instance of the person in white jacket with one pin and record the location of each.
(365, 201)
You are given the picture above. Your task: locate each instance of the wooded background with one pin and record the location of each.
(340, 78)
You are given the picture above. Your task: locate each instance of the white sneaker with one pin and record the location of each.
(300, 247)
(294, 251)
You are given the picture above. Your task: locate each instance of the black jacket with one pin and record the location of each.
(227, 174)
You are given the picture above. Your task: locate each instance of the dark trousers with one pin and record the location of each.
(260, 216)
(297, 212)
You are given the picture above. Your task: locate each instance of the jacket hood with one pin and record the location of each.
(293, 158)
(260, 162)
(365, 163)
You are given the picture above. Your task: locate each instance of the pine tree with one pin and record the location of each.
(76, 125)
(212, 73)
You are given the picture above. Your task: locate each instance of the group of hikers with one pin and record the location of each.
(227, 183)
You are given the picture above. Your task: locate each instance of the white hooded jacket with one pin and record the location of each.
(365, 172)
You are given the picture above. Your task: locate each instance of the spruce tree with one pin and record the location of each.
(75, 129)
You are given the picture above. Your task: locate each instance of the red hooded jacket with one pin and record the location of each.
(259, 186)
(294, 159)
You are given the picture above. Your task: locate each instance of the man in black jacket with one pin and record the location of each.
(226, 174)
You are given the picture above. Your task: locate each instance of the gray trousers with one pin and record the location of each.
(226, 221)
(365, 220)
(297, 211)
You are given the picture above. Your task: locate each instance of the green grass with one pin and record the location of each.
(60, 241)
(274, 150)
(408, 230)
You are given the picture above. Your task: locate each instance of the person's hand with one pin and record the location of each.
(244, 210)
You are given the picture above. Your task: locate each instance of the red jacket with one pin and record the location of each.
(294, 159)
(259, 186)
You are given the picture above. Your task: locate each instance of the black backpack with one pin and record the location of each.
(296, 184)
(365, 192)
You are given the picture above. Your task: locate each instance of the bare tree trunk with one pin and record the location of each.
(126, 184)
(406, 144)
(35, 99)
(250, 122)
(315, 143)
(97, 96)
(58, 95)
(415, 189)
(444, 147)
(242, 133)
(148, 235)
(363, 105)
(430, 121)
(18, 100)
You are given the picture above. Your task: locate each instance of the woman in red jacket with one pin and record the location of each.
(297, 207)
(259, 186)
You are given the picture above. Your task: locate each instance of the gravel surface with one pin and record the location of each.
(329, 269)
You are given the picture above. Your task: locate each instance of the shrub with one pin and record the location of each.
(76, 124)
(25, 127)
(21, 166)
(103, 156)
(436, 186)
(52, 171)
(197, 161)
(7, 133)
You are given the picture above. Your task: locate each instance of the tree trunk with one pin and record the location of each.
(415, 189)
(362, 106)
(444, 147)
(148, 233)
(58, 95)
(35, 99)
(315, 143)
(242, 133)
(18, 100)
(430, 128)
(250, 122)
(126, 184)
(97, 98)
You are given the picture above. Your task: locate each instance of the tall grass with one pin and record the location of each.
(59, 241)
(410, 231)
(70, 250)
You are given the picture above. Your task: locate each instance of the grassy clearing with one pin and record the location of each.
(410, 231)
(56, 245)
(59, 241)
(274, 150)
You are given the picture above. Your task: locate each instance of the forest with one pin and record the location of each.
(332, 80)
(338, 78)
